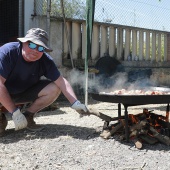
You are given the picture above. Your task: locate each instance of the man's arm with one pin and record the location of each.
(68, 92)
(66, 89)
(5, 98)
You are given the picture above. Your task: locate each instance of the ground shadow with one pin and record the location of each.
(52, 112)
(39, 114)
(50, 131)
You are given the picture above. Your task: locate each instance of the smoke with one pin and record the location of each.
(76, 77)
(120, 80)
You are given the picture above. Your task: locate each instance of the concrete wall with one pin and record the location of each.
(28, 10)
(160, 71)
(56, 34)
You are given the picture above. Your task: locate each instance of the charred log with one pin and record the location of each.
(164, 123)
(162, 138)
(139, 125)
(148, 139)
(107, 134)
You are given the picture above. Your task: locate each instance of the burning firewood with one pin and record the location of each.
(164, 123)
(139, 125)
(143, 127)
(167, 113)
(148, 139)
(138, 132)
(162, 138)
(138, 143)
(139, 128)
(106, 133)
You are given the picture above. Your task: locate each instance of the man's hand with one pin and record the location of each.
(78, 106)
(19, 120)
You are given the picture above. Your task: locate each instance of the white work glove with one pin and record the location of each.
(19, 120)
(78, 106)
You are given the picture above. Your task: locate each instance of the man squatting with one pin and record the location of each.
(22, 64)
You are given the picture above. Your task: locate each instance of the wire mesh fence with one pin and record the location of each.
(138, 13)
(40, 7)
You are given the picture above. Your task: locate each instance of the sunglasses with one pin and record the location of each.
(32, 46)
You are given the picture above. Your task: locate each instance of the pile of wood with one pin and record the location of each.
(146, 127)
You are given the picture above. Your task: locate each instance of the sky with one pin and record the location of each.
(151, 14)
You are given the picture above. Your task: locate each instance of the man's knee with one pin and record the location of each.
(55, 89)
(51, 90)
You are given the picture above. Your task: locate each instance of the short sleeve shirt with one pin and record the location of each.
(21, 75)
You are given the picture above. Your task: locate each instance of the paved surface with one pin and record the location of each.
(69, 142)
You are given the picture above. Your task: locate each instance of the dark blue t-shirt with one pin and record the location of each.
(21, 75)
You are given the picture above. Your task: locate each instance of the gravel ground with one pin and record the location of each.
(69, 142)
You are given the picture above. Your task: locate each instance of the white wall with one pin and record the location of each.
(28, 10)
(56, 32)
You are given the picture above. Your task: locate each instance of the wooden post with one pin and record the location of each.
(153, 57)
(103, 40)
(147, 45)
(134, 44)
(159, 47)
(119, 43)
(127, 44)
(112, 47)
(167, 41)
(141, 45)
(76, 40)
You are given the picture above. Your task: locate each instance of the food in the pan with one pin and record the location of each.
(135, 92)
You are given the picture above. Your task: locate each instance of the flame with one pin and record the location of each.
(151, 118)
(167, 116)
(146, 123)
(133, 118)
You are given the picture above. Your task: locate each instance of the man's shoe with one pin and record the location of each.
(3, 124)
(32, 126)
